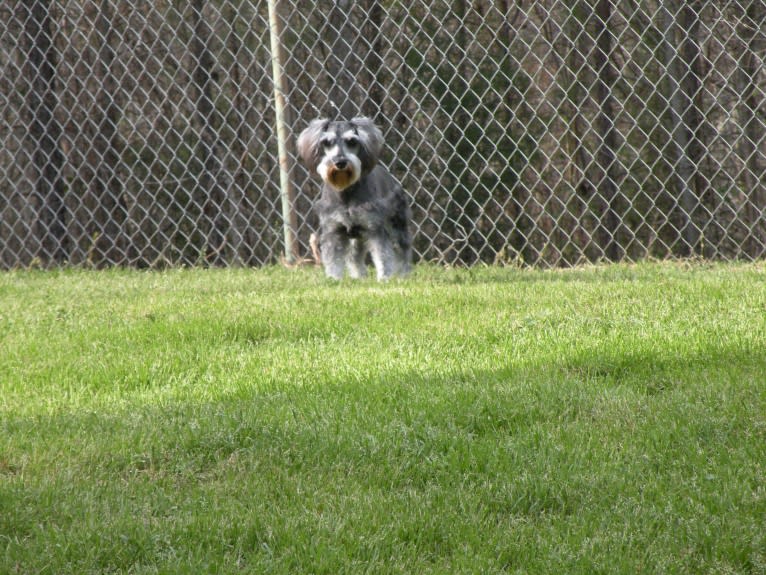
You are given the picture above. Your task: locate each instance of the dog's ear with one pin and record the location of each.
(371, 140)
(308, 143)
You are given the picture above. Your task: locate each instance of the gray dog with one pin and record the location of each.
(363, 209)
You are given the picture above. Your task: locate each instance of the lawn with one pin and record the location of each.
(609, 419)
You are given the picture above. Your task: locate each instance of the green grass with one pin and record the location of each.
(598, 420)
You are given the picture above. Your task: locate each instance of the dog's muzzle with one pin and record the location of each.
(340, 173)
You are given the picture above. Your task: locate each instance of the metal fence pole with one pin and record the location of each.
(289, 220)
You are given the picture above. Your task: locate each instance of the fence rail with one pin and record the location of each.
(543, 132)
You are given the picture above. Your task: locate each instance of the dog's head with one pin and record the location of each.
(340, 152)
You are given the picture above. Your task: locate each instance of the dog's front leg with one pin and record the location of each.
(355, 260)
(383, 257)
(334, 248)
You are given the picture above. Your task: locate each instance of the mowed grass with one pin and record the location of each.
(598, 420)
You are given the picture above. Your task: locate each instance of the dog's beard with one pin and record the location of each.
(340, 179)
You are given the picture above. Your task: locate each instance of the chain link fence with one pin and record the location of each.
(542, 133)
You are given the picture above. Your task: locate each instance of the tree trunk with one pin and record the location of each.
(103, 157)
(606, 156)
(211, 193)
(353, 59)
(457, 103)
(44, 132)
(518, 208)
(751, 141)
(572, 72)
(684, 167)
(373, 60)
(342, 63)
(236, 203)
(689, 75)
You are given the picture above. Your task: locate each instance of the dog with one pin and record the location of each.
(362, 209)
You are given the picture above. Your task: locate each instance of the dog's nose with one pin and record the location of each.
(340, 163)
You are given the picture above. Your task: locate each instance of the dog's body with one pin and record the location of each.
(363, 209)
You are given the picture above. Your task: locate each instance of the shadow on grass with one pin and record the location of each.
(492, 457)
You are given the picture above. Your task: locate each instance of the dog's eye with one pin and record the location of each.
(352, 143)
(326, 144)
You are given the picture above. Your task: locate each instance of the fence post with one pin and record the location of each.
(289, 221)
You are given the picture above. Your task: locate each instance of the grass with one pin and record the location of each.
(598, 420)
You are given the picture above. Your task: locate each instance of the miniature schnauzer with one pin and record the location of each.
(363, 209)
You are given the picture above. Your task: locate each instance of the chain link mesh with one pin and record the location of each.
(526, 133)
